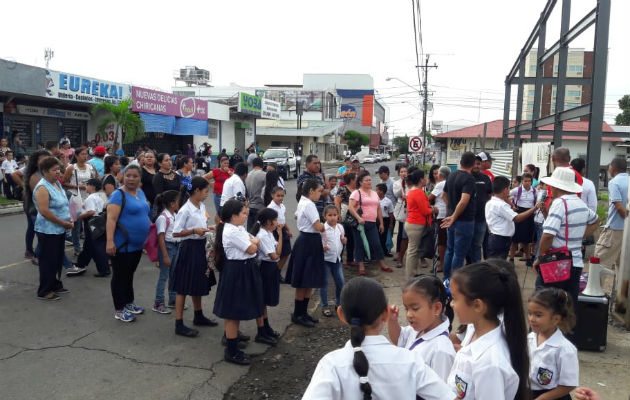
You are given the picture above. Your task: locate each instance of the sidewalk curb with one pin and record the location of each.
(11, 209)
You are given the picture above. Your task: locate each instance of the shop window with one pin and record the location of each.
(213, 129)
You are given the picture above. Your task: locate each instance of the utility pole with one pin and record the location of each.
(425, 102)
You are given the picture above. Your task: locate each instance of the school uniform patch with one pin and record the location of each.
(461, 386)
(544, 376)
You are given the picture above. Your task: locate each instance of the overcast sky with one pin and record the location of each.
(474, 43)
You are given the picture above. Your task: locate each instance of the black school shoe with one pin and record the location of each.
(241, 343)
(312, 319)
(183, 330)
(204, 321)
(239, 358)
(265, 339)
(302, 320)
(243, 337)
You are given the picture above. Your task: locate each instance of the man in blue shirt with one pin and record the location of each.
(97, 161)
(608, 247)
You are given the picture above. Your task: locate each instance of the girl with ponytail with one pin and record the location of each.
(493, 361)
(166, 204)
(369, 366)
(190, 277)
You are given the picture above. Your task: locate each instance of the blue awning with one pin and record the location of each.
(174, 125)
(158, 123)
(190, 126)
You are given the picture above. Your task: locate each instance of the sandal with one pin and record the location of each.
(326, 312)
(399, 265)
(362, 272)
(387, 269)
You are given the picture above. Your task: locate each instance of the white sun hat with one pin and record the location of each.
(563, 178)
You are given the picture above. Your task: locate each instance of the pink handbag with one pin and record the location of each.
(556, 264)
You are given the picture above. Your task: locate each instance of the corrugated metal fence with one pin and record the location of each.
(503, 163)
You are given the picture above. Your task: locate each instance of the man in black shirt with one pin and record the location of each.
(483, 192)
(459, 195)
(236, 158)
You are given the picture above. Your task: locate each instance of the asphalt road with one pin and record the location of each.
(75, 349)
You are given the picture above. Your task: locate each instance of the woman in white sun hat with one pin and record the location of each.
(567, 208)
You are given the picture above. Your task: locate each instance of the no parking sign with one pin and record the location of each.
(415, 143)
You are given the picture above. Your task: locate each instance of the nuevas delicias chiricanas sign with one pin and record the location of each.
(156, 102)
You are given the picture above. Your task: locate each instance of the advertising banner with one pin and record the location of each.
(249, 104)
(64, 86)
(348, 111)
(156, 102)
(270, 109)
(52, 112)
(455, 149)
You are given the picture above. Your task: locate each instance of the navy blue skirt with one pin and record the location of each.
(536, 393)
(525, 230)
(240, 291)
(306, 265)
(270, 275)
(189, 276)
(286, 242)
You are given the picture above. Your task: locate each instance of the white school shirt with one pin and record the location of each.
(235, 242)
(332, 238)
(554, 363)
(527, 199)
(163, 227)
(189, 217)
(267, 245)
(500, 217)
(307, 215)
(94, 202)
(281, 210)
(231, 187)
(589, 194)
(394, 373)
(439, 200)
(9, 166)
(482, 369)
(387, 207)
(434, 346)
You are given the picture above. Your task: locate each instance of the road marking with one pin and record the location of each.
(14, 264)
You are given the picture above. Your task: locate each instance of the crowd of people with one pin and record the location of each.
(470, 223)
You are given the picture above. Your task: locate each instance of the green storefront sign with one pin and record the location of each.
(249, 104)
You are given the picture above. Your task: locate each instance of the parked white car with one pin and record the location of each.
(369, 159)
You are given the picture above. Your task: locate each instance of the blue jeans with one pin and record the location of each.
(217, 203)
(335, 271)
(166, 273)
(474, 254)
(460, 237)
(538, 231)
(76, 236)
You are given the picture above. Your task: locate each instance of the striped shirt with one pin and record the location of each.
(579, 216)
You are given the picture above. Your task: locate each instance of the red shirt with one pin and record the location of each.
(487, 172)
(418, 207)
(219, 178)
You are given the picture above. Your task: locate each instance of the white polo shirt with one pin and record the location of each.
(527, 199)
(190, 217)
(332, 238)
(394, 373)
(554, 363)
(482, 369)
(434, 346)
(235, 242)
(500, 217)
(267, 245)
(387, 207)
(307, 215)
(231, 187)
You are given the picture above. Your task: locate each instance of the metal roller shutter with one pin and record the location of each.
(49, 128)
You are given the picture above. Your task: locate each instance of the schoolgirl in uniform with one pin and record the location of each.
(189, 277)
(554, 366)
(277, 204)
(166, 204)
(269, 252)
(307, 258)
(369, 365)
(492, 362)
(425, 301)
(240, 292)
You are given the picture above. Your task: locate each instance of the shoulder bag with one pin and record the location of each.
(556, 264)
(98, 223)
(75, 201)
(350, 219)
(400, 210)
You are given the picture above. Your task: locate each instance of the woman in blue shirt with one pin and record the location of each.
(51, 223)
(127, 229)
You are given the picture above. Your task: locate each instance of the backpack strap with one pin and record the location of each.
(518, 194)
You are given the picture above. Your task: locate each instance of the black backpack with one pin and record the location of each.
(98, 223)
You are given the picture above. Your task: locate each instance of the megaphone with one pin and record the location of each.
(593, 285)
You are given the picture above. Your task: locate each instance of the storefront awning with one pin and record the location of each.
(173, 125)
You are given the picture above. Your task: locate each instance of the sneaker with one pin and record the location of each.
(62, 291)
(69, 243)
(134, 309)
(124, 315)
(52, 296)
(75, 271)
(160, 308)
(239, 358)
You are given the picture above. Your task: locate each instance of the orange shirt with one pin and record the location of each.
(418, 207)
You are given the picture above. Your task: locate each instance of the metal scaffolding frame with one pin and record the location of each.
(600, 17)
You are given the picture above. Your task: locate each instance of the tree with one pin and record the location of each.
(402, 142)
(355, 140)
(129, 126)
(624, 117)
